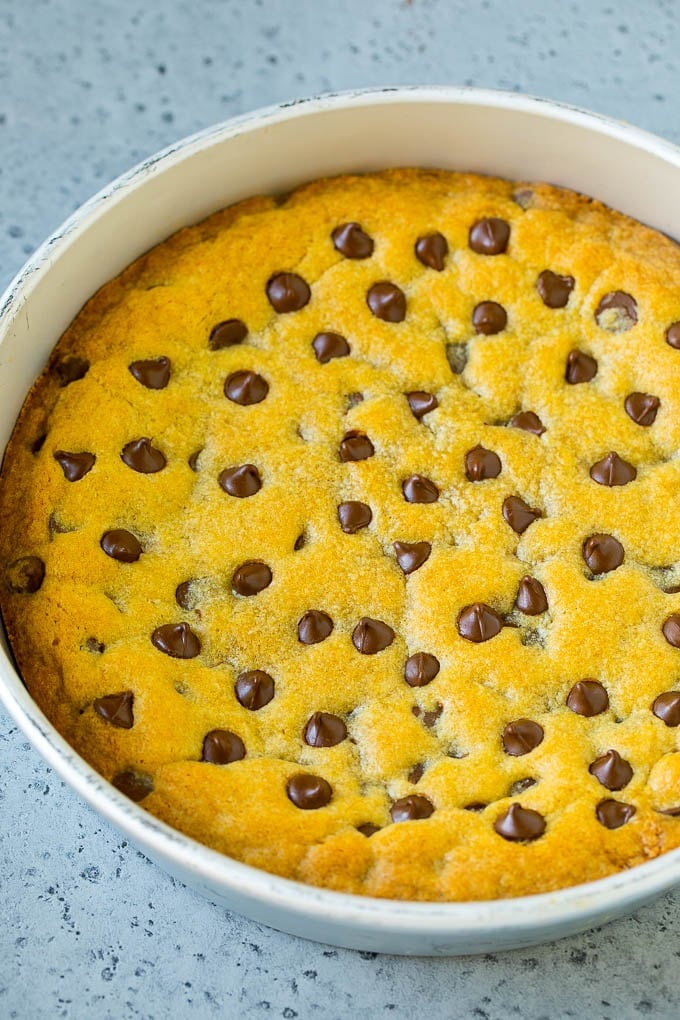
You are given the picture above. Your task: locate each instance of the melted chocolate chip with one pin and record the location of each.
(421, 403)
(602, 553)
(371, 636)
(479, 622)
(588, 698)
(528, 421)
(518, 514)
(673, 335)
(254, 689)
(642, 408)
(489, 318)
(387, 301)
(242, 480)
(521, 737)
(613, 814)
(314, 626)
(419, 489)
(220, 747)
(411, 809)
(71, 369)
(421, 669)
(246, 388)
(183, 596)
(116, 709)
(353, 516)
(330, 345)
(355, 446)
(153, 373)
(667, 708)
(554, 290)
(141, 456)
(177, 640)
(416, 773)
(308, 792)
(26, 575)
(227, 334)
(611, 770)
(481, 463)
(368, 829)
(617, 312)
(489, 236)
(288, 292)
(519, 824)
(671, 630)
(411, 555)
(352, 242)
(581, 368)
(250, 578)
(324, 730)
(612, 470)
(75, 465)
(121, 545)
(431, 250)
(135, 785)
(531, 598)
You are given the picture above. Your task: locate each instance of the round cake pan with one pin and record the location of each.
(273, 150)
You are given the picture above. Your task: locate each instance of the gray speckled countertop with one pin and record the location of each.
(88, 927)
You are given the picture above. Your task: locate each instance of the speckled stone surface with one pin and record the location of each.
(88, 926)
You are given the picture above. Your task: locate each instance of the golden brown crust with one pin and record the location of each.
(608, 629)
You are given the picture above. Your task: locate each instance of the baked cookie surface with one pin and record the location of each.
(339, 533)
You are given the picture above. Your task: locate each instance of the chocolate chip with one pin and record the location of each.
(521, 737)
(220, 747)
(153, 373)
(419, 489)
(421, 669)
(141, 456)
(412, 808)
(416, 773)
(183, 596)
(121, 545)
(553, 289)
(519, 824)
(71, 369)
(528, 421)
(37, 444)
(642, 408)
(368, 829)
(288, 292)
(672, 812)
(308, 792)
(353, 516)
(429, 718)
(613, 814)
(193, 459)
(254, 689)
(617, 312)
(671, 630)
(479, 622)
(355, 446)
(673, 335)
(300, 542)
(612, 470)
(602, 553)
(135, 785)
(588, 698)
(116, 709)
(518, 514)
(520, 786)
(431, 250)
(227, 334)
(421, 403)
(26, 575)
(75, 465)
(251, 577)
(387, 301)
(581, 368)
(177, 640)
(246, 388)
(411, 555)
(242, 480)
(330, 345)
(353, 399)
(314, 626)
(489, 236)
(476, 806)
(371, 636)
(531, 598)
(611, 770)
(667, 708)
(324, 730)
(94, 646)
(457, 357)
(352, 242)
(481, 463)
(489, 318)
